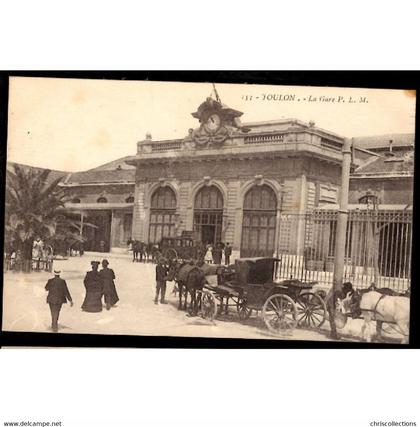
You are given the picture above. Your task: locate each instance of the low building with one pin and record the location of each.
(104, 197)
(390, 175)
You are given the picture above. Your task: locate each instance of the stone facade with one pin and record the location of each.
(103, 196)
(300, 163)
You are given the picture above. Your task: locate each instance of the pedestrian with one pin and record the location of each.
(161, 278)
(12, 260)
(228, 253)
(37, 251)
(209, 254)
(18, 264)
(58, 294)
(217, 254)
(94, 290)
(110, 292)
(49, 259)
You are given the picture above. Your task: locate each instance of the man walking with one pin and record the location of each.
(110, 292)
(58, 294)
(161, 277)
(228, 253)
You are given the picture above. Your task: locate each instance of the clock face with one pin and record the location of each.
(213, 123)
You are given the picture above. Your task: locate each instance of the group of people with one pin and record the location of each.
(37, 258)
(215, 253)
(98, 284)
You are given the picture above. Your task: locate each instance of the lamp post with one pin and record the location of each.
(279, 220)
(340, 246)
(371, 201)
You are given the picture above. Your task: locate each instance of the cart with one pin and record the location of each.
(250, 286)
(179, 248)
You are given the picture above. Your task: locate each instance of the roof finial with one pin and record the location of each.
(216, 94)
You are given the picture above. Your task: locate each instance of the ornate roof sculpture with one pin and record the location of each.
(217, 123)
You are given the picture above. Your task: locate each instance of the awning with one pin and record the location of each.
(97, 206)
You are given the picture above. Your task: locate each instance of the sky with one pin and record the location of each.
(78, 124)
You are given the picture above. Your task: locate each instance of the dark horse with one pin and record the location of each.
(137, 248)
(190, 278)
(151, 252)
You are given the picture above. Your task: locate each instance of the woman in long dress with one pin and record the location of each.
(209, 255)
(94, 290)
(110, 292)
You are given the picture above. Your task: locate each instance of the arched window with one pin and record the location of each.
(208, 214)
(369, 199)
(75, 200)
(260, 197)
(162, 214)
(163, 198)
(209, 198)
(129, 199)
(102, 200)
(259, 222)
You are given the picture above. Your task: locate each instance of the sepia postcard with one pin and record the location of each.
(208, 210)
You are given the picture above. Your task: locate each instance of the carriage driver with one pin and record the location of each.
(161, 278)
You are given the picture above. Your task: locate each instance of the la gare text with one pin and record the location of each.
(295, 98)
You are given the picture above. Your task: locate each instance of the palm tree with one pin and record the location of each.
(34, 208)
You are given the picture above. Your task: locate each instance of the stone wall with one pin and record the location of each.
(390, 191)
(297, 178)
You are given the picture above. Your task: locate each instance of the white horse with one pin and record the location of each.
(375, 306)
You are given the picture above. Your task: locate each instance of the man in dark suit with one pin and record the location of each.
(58, 294)
(161, 278)
(228, 253)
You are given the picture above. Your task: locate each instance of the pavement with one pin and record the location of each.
(25, 308)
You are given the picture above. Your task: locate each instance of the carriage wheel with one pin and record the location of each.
(312, 310)
(208, 305)
(279, 313)
(243, 310)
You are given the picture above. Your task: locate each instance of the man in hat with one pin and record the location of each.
(58, 294)
(110, 293)
(94, 290)
(228, 253)
(161, 278)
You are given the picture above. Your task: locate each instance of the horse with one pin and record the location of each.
(137, 248)
(377, 306)
(151, 252)
(190, 279)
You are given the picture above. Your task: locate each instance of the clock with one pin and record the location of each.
(213, 123)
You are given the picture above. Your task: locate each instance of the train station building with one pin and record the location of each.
(231, 181)
(249, 184)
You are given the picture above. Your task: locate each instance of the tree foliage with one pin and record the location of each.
(34, 208)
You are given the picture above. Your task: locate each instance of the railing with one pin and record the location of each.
(377, 250)
(167, 146)
(331, 144)
(263, 139)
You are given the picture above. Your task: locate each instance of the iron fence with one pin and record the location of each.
(378, 247)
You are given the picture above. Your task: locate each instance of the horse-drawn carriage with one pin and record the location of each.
(250, 286)
(180, 248)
